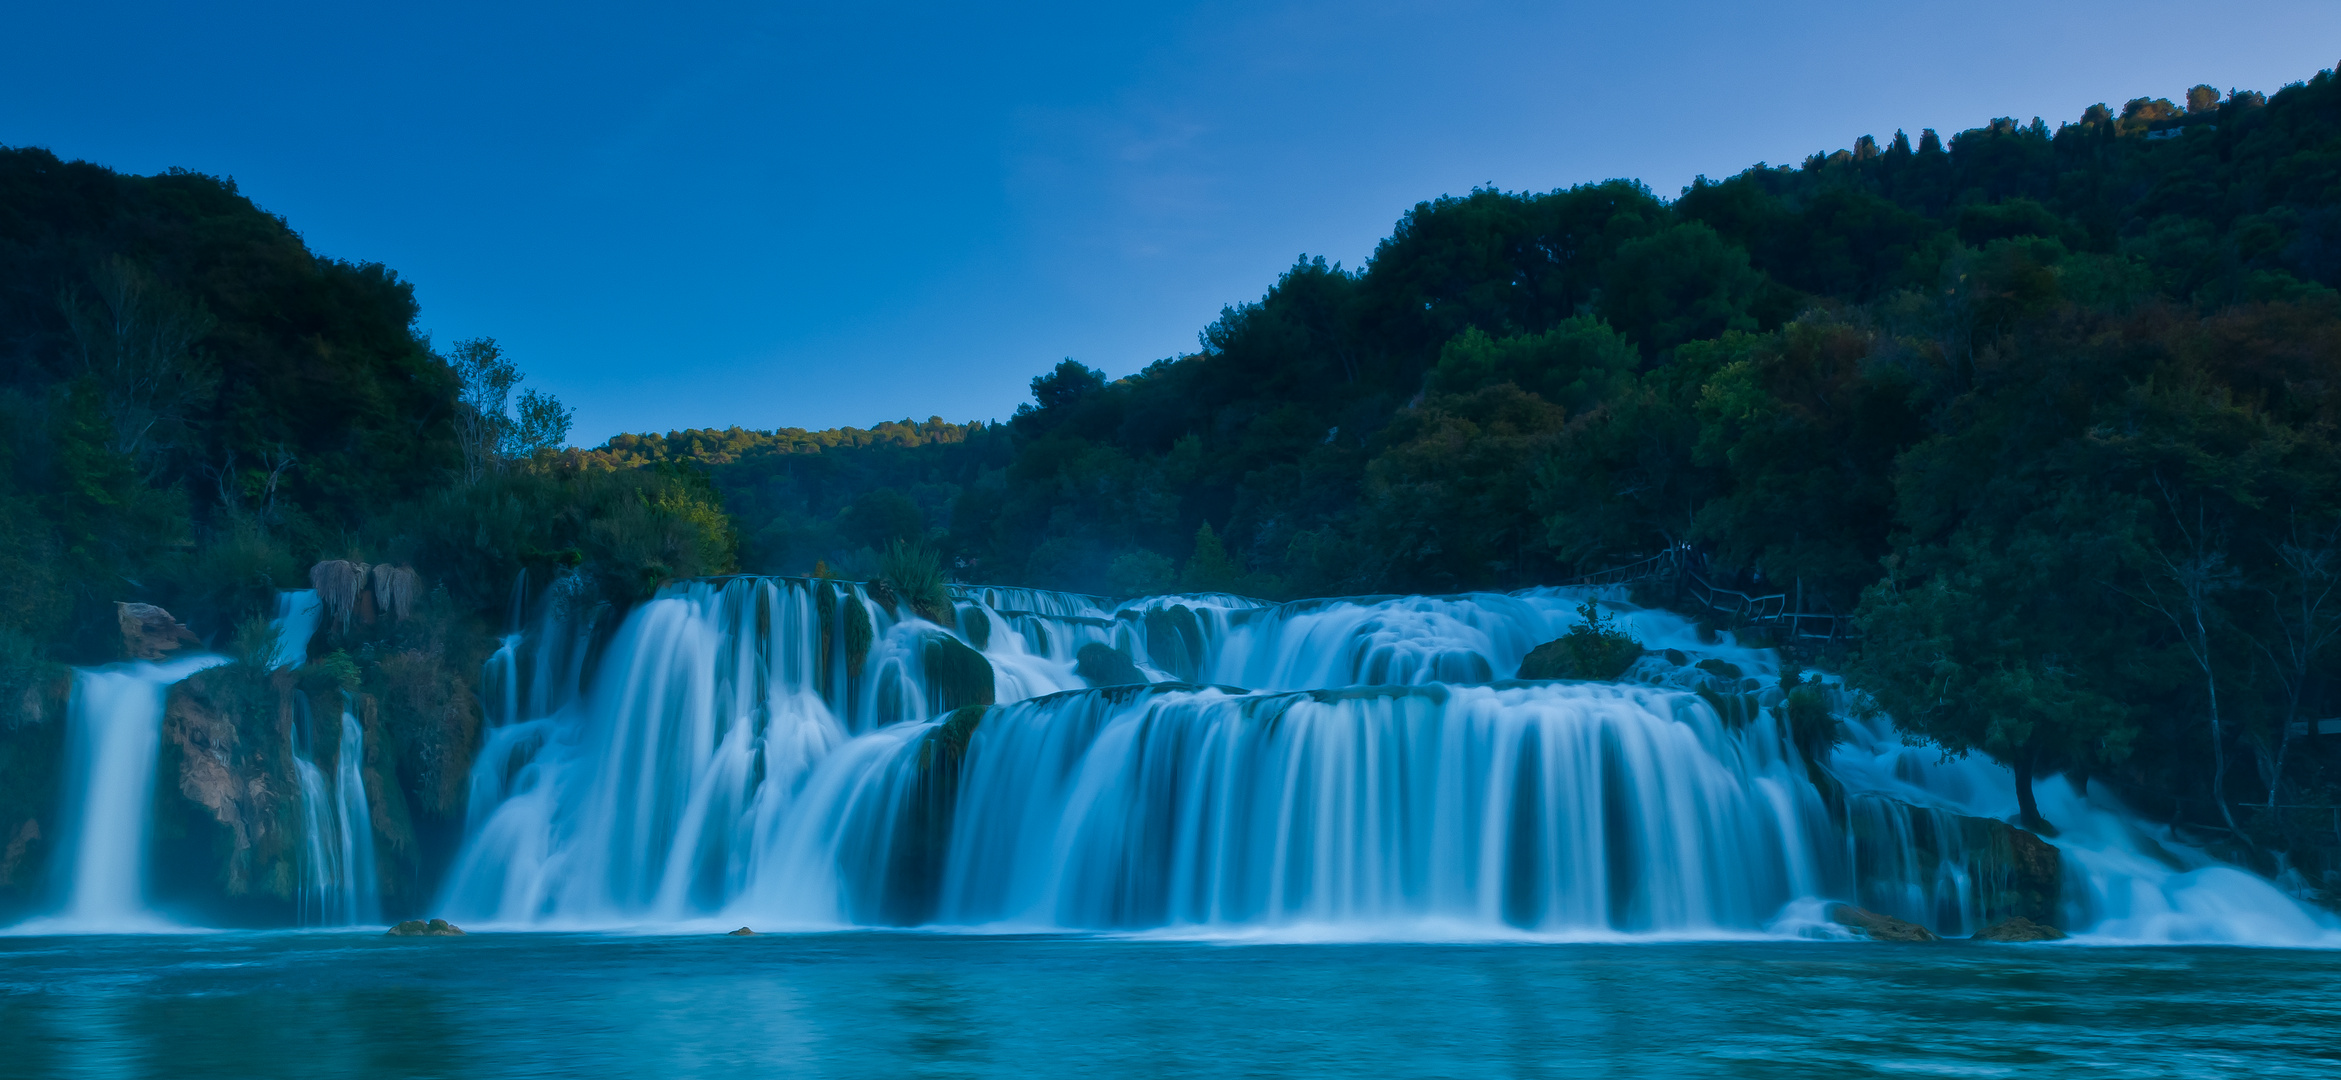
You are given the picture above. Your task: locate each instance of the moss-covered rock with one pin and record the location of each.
(1100, 664)
(2019, 929)
(976, 625)
(2032, 871)
(419, 928)
(1898, 847)
(742, 932)
(1878, 927)
(1594, 650)
(957, 676)
(1174, 641)
(1721, 669)
(859, 633)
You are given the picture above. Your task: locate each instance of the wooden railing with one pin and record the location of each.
(1657, 565)
(1769, 610)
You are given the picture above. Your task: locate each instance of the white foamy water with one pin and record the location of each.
(1328, 770)
(114, 732)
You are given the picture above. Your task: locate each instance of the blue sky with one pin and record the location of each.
(793, 215)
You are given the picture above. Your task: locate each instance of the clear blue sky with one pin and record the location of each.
(701, 214)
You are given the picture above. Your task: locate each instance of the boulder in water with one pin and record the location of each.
(1100, 664)
(1595, 650)
(419, 928)
(741, 932)
(1720, 668)
(2017, 928)
(150, 633)
(1878, 927)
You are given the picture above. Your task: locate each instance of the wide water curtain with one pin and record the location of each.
(810, 753)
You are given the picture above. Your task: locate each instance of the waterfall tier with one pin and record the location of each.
(791, 752)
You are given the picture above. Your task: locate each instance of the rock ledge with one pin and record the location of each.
(419, 928)
(1878, 927)
(2018, 928)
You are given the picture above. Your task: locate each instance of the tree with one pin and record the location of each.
(541, 424)
(1969, 645)
(487, 377)
(135, 338)
(1681, 284)
(2181, 584)
(2307, 611)
(1210, 568)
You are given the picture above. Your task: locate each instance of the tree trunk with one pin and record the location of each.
(2218, 743)
(2027, 810)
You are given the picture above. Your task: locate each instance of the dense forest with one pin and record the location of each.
(2051, 412)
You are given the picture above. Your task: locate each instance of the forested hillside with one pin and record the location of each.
(194, 412)
(2052, 410)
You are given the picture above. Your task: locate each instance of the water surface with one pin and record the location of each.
(889, 1004)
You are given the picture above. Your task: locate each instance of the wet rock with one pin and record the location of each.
(26, 835)
(1878, 927)
(1898, 846)
(216, 728)
(741, 932)
(1582, 656)
(957, 676)
(2028, 872)
(2018, 928)
(150, 633)
(419, 928)
(976, 625)
(1678, 658)
(1099, 664)
(1174, 641)
(1722, 669)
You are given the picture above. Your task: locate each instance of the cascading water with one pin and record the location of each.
(339, 887)
(114, 733)
(298, 611)
(337, 829)
(787, 752)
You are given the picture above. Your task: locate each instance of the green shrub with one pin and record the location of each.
(1595, 650)
(913, 573)
(1812, 725)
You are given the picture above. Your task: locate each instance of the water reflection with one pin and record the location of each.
(312, 1005)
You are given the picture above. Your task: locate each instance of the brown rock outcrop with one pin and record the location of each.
(224, 727)
(394, 589)
(338, 582)
(150, 633)
(1878, 927)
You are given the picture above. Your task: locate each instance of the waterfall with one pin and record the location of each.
(793, 753)
(113, 736)
(298, 611)
(338, 887)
